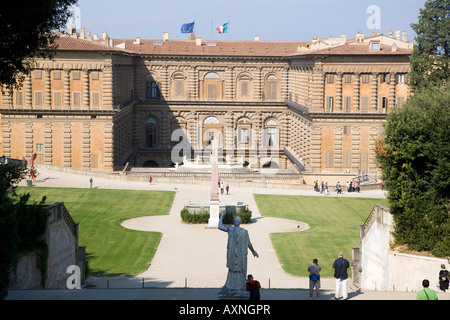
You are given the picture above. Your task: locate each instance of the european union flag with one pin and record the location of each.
(187, 27)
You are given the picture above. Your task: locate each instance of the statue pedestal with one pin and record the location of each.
(214, 210)
(233, 294)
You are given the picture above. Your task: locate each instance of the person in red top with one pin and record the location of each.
(253, 286)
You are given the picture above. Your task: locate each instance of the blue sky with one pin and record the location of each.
(270, 19)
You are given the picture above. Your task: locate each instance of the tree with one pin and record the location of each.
(431, 55)
(20, 225)
(414, 156)
(26, 31)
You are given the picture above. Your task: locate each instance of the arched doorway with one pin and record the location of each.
(150, 164)
(270, 165)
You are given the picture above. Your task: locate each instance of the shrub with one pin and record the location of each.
(203, 217)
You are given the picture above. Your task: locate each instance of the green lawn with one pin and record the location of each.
(111, 248)
(334, 227)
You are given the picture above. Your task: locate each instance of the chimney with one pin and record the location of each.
(137, 41)
(82, 33)
(404, 36)
(165, 36)
(256, 38)
(391, 34)
(397, 34)
(198, 41)
(359, 36)
(104, 35)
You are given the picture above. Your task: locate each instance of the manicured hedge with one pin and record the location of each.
(203, 217)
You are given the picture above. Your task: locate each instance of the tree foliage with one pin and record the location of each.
(20, 225)
(26, 31)
(414, 155)
(430, 57)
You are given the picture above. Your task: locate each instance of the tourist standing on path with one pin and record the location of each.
(426, 293)
(340, 267)
(253, 286)
(150, 179)
(443, 278)
(314, 278)
(228, 188)
(90, 183)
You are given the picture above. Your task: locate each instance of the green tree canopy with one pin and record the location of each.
(414, 155)
(26, 28)
(430, 57)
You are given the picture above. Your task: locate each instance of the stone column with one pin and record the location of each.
(48, 147)
(356, 92)
(109, 146)
(229, 83)
(316, 149)
(66, 89)
(47, 89)
(67, 137)
(338, 148)
(374, 93)
(6, 97)
(284, 86)
(391, 102)
(6, 131)
(107, 87)
(29, 141)
(355, 148)
(258, 84)
(86, 140)
(28, 92)
(339, 91)
(86, 103)
(318, 81)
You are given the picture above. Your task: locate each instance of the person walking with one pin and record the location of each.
(253, 286)
(340, 267)
(443, 278)
(91, 181)
(228, 188)
(314, 279)
(150, 179)
(426, 293)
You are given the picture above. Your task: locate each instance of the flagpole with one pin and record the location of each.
(228, 29)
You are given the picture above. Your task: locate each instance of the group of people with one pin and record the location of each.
(323, 188)
(428, 294)
(340, 266)
(222, 188)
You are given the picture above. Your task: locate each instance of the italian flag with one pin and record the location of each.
(223, 28)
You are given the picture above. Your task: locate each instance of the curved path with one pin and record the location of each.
(196, 254)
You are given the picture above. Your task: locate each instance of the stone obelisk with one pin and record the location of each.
(214, 200)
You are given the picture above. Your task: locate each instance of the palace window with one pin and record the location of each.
(151, 127)
(152, 91)
(271, 138)
(329, 104)
(243, 135)
(271, 87)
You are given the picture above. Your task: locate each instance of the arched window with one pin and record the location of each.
(271, 87)
(178, 79)
(211, 75)
(244, 85)
(151, 133)
(271, 136)
(211, 120)
(151, 88)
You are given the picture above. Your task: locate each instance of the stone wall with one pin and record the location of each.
(61, 236)
(377, 267)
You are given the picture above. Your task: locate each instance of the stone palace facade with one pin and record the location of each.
(100, 103)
